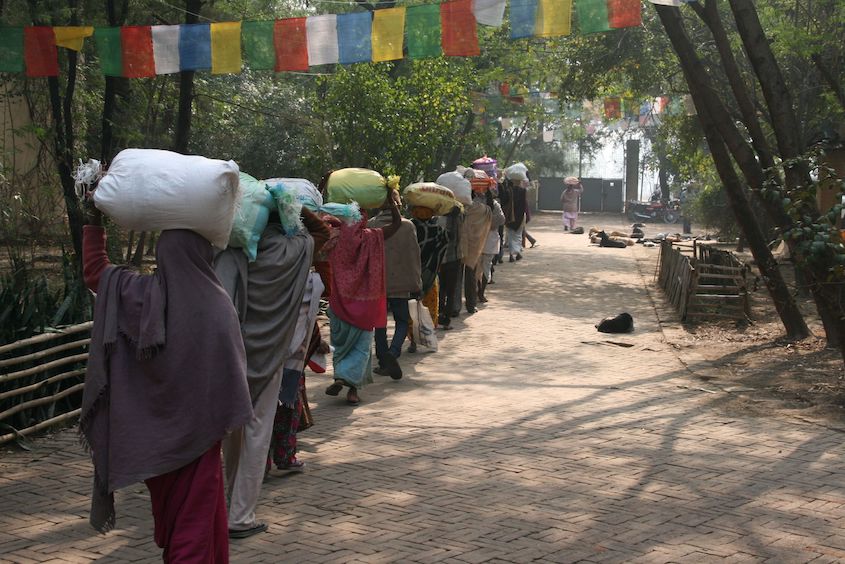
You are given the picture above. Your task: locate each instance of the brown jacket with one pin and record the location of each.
(401, 257)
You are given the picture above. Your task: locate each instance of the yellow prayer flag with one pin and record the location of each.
(388, 34)
(554, 17)
(226, 47)
(72, 37)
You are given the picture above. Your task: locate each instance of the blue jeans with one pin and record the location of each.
(401, 317)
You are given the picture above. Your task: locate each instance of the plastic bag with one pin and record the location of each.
(459, 186)
(438, 198)
(307, 193)
(366, 187)
(251, 215)
(423, 326)
(154, 190)
(517, 172)
(289, 206)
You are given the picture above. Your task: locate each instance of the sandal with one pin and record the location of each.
(335, 388)
(294, 466)
(352, 397)
(244, 533)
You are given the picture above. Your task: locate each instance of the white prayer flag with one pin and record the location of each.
(489, 12)
(667, 2)
(321, 34)
(166, 48)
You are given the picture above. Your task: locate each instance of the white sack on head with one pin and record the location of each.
(459, 186)
(155, 190)
(517, 172)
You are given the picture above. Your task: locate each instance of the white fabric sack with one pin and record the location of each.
(154, 190)
(459, 186)
(423, 326)
(517, 172)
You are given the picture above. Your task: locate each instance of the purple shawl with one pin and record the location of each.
(166, 373)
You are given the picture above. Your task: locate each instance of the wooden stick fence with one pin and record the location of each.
(702, 281)
(41, 380)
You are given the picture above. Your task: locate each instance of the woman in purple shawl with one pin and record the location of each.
(166, 381)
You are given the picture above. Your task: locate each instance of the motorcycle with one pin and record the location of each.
(655, 210)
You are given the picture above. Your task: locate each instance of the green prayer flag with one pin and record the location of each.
(592, 16)
(258, 49)
(11, 49)
(107, 40)
(422, 26)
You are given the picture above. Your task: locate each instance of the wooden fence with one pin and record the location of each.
(41, 380)
(702, 281)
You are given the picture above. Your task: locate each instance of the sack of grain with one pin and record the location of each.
(155, 190)
(459, 186)
(438, 198)
(366, 187)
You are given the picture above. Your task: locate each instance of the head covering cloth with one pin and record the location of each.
(166, 370)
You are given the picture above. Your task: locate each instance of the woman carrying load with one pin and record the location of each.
(166, 381)
(358, 296)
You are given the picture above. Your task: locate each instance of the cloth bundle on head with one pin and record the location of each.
(517, 172)
(479, 181)
(311, 199)
(366, 187)
(251, 215)
(488, 165)
(572, 181)
(430, 195)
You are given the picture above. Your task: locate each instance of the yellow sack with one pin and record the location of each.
(366, 187)
(430, 195)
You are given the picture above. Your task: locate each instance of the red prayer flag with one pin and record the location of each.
(39, 51)
(459, 34)
(291, 42)
(624, 13)
(136, 43)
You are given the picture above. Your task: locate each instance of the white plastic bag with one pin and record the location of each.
(517, 172)
(459, 186)
(154, 190)
(423, 326)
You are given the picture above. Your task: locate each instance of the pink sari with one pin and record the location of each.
(358, 285)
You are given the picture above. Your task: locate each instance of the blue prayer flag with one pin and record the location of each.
(194, 47)
(523, 18)
(354, 37)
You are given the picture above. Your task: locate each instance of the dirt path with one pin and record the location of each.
(529, 436)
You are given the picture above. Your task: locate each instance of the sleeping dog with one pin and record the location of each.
(622, 323)
(606, 241)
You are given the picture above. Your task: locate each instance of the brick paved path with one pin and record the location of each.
(529, 437)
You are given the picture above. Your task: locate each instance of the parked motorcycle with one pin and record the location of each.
(655, 210)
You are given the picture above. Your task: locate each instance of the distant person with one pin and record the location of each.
(166, 381)
(569, 198)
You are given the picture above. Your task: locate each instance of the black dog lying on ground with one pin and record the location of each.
(608, 242)
(622, 323)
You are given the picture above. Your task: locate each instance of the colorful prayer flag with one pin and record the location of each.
(321, 32)
(290, 38)
(612, 108)
(523, 18)
(39, 51)
(661, 104)
(109, 50)
(166, 48)
(592, 16)
(422, 26)
(554, 18)
(226, 48)
(388, 34)
(624, 13)
(194, 47)
(137, 51)
(354, 37)
(460, 37)
(11, 49)
(489, 12)
(259, 51)
(72, 37)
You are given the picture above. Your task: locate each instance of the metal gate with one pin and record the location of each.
(600, 194)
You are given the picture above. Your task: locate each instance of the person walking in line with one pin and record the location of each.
(404, 279)
(268, 294)
(569, 200)
(153, 410)
(453, 223)
(358, 296)
(432, 239)
(518, 204)
(476, 229)
(491, 245)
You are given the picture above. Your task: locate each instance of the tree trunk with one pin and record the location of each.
(702, 95)
(186, 89)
